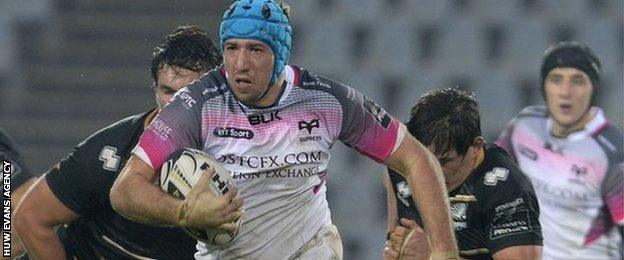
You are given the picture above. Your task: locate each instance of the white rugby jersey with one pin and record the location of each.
(578, 182)
(278, 156)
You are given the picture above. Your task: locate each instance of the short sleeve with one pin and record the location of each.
(512, 216)
(613, 193)
(74, 184)
(367, 127)
(177, 126)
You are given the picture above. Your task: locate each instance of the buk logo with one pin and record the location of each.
(263, 118)
(309, 125)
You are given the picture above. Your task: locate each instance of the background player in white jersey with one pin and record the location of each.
(574, 158)
(75, 192)
(493, 205)
(271, 125)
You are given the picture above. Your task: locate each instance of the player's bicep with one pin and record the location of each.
(137, 167)
(41, 206)
(519, 252)
(393, 218)
(513, 221)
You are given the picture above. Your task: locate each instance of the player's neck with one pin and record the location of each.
(562, 131)
(150, 117)
(478, 159)
(271, 98)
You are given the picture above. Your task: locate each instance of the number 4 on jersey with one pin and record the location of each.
(110, 158)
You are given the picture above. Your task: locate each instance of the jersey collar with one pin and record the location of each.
(594, 126)
(291, 76)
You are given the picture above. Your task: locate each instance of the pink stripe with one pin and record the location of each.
(377, 143)
(159, 148)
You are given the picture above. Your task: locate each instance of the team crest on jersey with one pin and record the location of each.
(497, 174)
(306, 128)
(458, 214)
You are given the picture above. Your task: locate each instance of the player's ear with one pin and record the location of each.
(478, 142)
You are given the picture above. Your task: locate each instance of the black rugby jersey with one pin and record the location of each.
(82, 181)
(494, 208)
(9, 153)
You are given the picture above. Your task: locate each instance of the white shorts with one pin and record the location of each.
(325, 245)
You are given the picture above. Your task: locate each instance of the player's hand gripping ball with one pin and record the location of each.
(181, 172)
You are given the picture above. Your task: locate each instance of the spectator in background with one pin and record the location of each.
(493, 205)
(21, 180)
(272, 125)
(75, 192)
(573, 156)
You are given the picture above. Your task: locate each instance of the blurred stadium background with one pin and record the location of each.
(70, 67)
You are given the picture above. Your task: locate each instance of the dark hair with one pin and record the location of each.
(186, 47)
(447, 119)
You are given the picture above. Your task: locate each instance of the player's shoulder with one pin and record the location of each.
(535, 112)
(500, 173)
(611, 140)
(306, 79)
(212, 84)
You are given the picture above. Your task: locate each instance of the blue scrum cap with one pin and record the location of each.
(262, 20)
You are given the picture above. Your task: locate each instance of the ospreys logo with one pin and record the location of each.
(309, 125)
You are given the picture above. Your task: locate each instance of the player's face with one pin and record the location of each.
(456, 167)
(568, 96)
(170, 80)
(249, 64)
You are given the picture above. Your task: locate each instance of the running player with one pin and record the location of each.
(21, 180)
(493, 205)
(271, 125)
(76, 191)
(574, 157)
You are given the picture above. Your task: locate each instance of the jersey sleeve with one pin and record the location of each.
(613, 193)
(177, 126)
(367, 127)
(512, 215)
(504, 140)
(76, 180)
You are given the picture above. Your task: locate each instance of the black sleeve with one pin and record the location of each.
(512, 214)
(76, 184)
(9, 154)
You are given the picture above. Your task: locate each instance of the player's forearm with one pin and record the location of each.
(138, 199)
(393, 218)
(519, 252)
(16, 198)
(39, 239)
(430, 195)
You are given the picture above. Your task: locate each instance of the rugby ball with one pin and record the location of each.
(181, 172)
